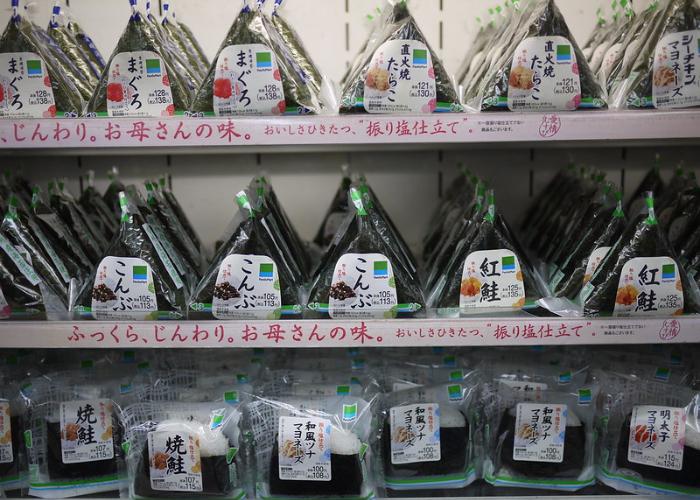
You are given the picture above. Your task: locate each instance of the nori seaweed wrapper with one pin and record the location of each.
(643, 238)
(636, 92)
(252, 237)
(253, 27)
(546, 20)
(189, 35)
(111, 195)
(479, 44)
(133, 241)
(652, 182)
(87, 45)
(338, 210)
(400, 26)
(17, 37)
(177, 208)
(140, 35)
(97, 210)
(173, 29)
(69, 45)
(362, 236)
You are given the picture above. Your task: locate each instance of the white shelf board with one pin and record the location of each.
(310, 133)
(350, 333)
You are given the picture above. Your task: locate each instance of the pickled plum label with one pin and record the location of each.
(138, 85)
(86, 431)
(415, 433)
(594, 262)
(540, 431)
(124, 289)
(657, 437)
(649, 286)
(248, 82)
(492, 278)
(304, 449)
(676, 79)
(6, 452)
(544, 76)
(247, 287)
(363, 287)
(400, 79)
(174, 461)
(25, 87)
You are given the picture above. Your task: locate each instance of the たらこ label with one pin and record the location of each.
(174, 461)
(304, 449)
(138, 85)
(649, 286)
(86, 431)
(124, 289)
(676, 78)
(415, 433)
(25, 86)
(491, 278)
(657, 436)
(540, 431)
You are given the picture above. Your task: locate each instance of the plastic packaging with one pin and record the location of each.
(177, 208)
(174, 30)
(13, 460)
(97, 210)
(86, 43)
(337, 212)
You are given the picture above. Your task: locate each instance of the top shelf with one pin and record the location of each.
(340, 133)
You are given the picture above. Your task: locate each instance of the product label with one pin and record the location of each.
(594, 261)
(492, 278)
(174, 461)
(248, 82)
(415, 433)
(544, 76)
(363, 287)
(124, 289)
(25, 86)
(22, 264)
(676, 81)
(86, 431)
(400, 79)
(304, 449)
(164, 258)
(539, 432)
(247, 287)
(138, 85)
(649, 286)
(608, 64)
(657, 437)
(6, 453)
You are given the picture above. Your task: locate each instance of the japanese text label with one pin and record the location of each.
(676, 80)
(649, 286)
(540, 430)
(174, 461)
(657, 436)
(492, 278)
(86, 431)
(25, 86)
(304, 449)
(139, 85)
(415, 433)
(594, 261)
(363, 287)
(124, 289)
(6, 452)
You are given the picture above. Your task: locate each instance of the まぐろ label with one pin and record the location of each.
(174, 461)
(25, 86)
(86, 431)
(540, 430)
(676, 78)
(304, 449)
(544, 76)
(124, 289)
(649, 286)
(657, 436)
(248, 82)
(138, 85)
(400, 79)
(415, 433)
(594, 260)
(363, 287)
(491, 278)
(6, 452)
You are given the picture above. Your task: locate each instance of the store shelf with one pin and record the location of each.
(317, 133)
(355, 333)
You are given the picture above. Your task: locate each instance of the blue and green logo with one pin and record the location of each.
(349, 412)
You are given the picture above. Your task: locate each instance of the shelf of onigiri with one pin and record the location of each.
(312, 133)
(505, 331)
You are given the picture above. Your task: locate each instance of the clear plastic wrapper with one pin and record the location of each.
(652, 182)
(115, 187)
(177, 208)
(173, 29)
(476, 55)
(86, 43)
(337, 212)
(13, 459)
(97, 210)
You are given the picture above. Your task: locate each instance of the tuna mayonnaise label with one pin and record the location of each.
(676, 79)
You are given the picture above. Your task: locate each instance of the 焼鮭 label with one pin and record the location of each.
(25, 86)
(594, 261)
(304, 449)
(174, 461)
(363, 287)
(123, 289)
(544, 76)
(676, 79)
(492, 278)
(6, 452)
(247, 287)
(138, 85)
(400, 79)
(540, 431)
(415, 433)
(649, 286)
(657, 436)
(86, 431)
(248, 82)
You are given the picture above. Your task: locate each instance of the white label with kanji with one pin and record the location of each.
(676, 79)
(174, 461)
(363, 287)
(124, 289)
(247, 287)
(25, 86)
(649, 286)
(594, 261)
(492, 278)
(415, 433)
(139, 85)
(657, 437)
(544, 76)
(304, 449)
(248, 82)
(400, 79)
(539, 434)
(86, 431)
(6, 452)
